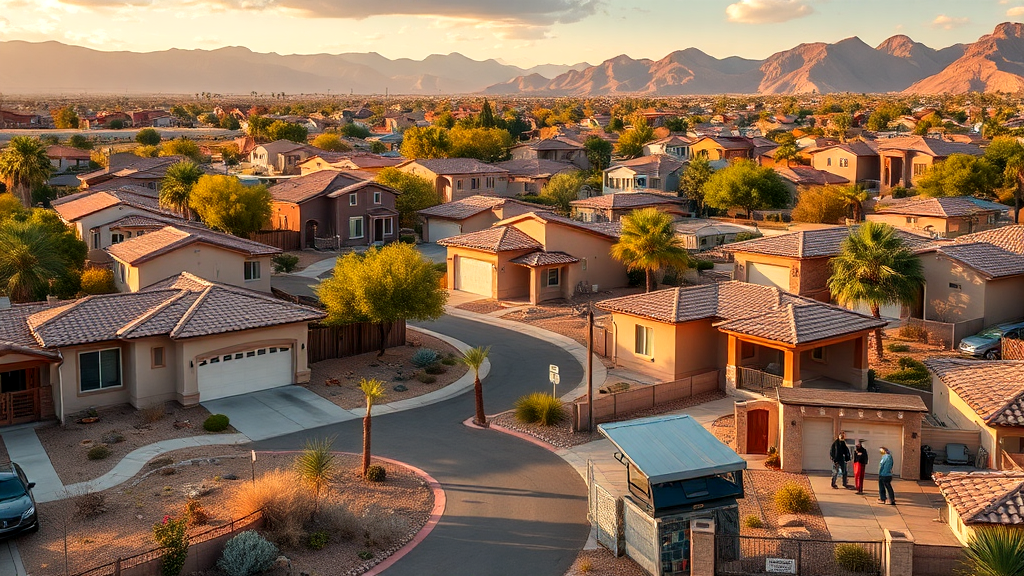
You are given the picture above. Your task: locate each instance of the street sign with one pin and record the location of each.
(552, 369)
(553, 378)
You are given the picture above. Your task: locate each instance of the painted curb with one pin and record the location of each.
(468, 422)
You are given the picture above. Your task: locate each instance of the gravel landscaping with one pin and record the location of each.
(121, 429)
(485, 306)
(121, 524)
(558, 316)
(760, 487)
(918, 351)
(338, 379)
(601, 562)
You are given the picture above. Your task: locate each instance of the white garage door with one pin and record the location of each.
(243, 372)
(768, 275)
(818, 438)
(441, 229)
(876, 435)
(473, 276)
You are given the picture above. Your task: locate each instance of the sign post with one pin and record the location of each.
(553, 378)
(254, 467)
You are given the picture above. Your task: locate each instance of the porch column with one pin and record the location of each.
(791, 375)
(534, 286)
(860, 362)
(731, 379)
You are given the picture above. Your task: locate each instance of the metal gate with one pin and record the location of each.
(746, 555)
(640, 533)
(605, 513)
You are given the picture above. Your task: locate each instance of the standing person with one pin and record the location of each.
(840, 455)
(860, 465)
(885, 478)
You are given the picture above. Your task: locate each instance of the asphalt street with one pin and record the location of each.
(513, 508)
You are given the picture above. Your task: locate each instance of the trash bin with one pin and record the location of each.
(927, 462)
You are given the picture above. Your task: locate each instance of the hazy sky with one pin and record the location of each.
(521, 32)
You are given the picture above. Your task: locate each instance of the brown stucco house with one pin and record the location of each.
(855, 161)
(529, 176)
(946, 217)
(658, 173)
(468, 215)
(338, 207)
(458, 178)
(558, 149)
(281, 157)
(537, 256)
(611, 207)
(903, 161)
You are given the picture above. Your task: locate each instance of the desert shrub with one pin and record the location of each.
(793, 498)
(540, 408)
(316, 468)
(897, 347)
(112, 437)
(365, 555)
(426, 378)
(194, 513)
(172, 536)
(317, 540)
(98, 281)
(586, 566)
(98, 452)
(449, 361)
(376, 473)
(407, 238)
(423, 357)
(338, 520)
(753, 521)
(216, 423)
(440, 267)
(247, 554)
(855, 558)
(913, 332)
(152, 414)
(286, 505)
(704, 265)
(740, 237)
(911, 373)
(773, 460)
(382, 527)
(435, 369)
(90, 505)
(285, 262)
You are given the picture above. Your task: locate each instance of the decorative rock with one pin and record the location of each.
(229, 477)
(400, 388)
(283, 563)
(87, 443)
(790, 520)
(197, 490)
(112, 437)
(797, 532)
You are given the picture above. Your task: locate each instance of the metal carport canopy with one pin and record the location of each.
(671, 448)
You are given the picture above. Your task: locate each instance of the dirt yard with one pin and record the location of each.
(601, 562)
(122, 429)
(558, 316)
(917, 350)
(338, 379)
(120, 525)
(485, 306)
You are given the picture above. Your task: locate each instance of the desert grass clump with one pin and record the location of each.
(793, 498)
(285, 503)
(855, 558)
(383, 528)
(316, 468)
(540, 408)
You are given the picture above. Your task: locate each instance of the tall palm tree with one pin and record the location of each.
(875, 267)
(24, 165)
(176, 187)
(374, 391)
(474, 358)
(649, 243)
(1015, 173)
(995, 551)
(854, 196)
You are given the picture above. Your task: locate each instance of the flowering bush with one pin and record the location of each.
(172, 536)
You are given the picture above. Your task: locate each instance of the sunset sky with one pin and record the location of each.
(521, 32)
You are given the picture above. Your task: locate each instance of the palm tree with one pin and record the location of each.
(374, 391)
(29, 259)
(24, 165)
(474, 358)
(854, 196)
(315, 467)
(176, 187)
(875, 267)
(995, 551)
(1015, 173)
(649, 243)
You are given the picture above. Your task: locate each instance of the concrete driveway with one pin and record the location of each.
(433, 252)
(278, 412)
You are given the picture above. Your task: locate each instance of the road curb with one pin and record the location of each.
(468, 422)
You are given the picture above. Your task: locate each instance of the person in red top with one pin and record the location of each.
(860, 465)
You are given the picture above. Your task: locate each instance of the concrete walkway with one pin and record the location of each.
(315, 269)
(24, 447)
(10, 559)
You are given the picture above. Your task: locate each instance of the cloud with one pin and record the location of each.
(767, 11)
(949, 22)
(1015, 11)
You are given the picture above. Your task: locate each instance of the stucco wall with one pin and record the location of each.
(508, 280)
(285, 216)
(1003, 299)
(677, 350)
(69, 399)
(203, 260)
(951, 304)
(953, 410)
(740, 411)
(83, 226)
(838, 364)
(592, 250)
(742, 267)
(153, 385)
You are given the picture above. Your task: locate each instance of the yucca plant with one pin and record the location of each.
(315, 467)
(995, 551)
(540, 408)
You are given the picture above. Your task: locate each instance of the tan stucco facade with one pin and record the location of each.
(807, 276)
(508, 280)
(954, 292)
(950, 227)
(204, 260)
(677, 350)
(846, 164)
(94, 229)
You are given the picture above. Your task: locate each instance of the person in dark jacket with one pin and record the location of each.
(860, 465)
(840, 455)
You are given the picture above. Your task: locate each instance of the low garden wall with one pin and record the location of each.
(608, 407)
(947, 334)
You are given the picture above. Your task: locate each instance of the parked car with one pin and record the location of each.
(17, 505)
(989, 342)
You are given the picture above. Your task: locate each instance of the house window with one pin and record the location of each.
(844, 162)
(656, 183)
(991, 218)
(352, 200)
(818, 354)
(490, 181)
(644, 340)
(252, 271)
(116, 237)
(158, 357)
(641, 182)
(96, 240)
(355, 227)
(550, 277)
(120, 271)
(99, 370)
(954, 286)
(376, 197)
(474, 183)
(747, 350)
(458, 184)
(911, 219)
(828, 162)
(920, 169)
(389, 227)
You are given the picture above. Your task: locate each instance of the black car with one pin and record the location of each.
(17, 506)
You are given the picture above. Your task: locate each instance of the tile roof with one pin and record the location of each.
(15, 334)
(535, 167)
(555, 143)
(462, 209)
(625, 200)
(154, 167)
(930, 146)
(612, 230)
(183, 308)
(172, 237)
(989, 259)
(805, 175)
(848, 399)
(140, 221)
(57, 151)
(938, 207)
(673, 140)
(732, 142)
(656, 165)
(495, 239)
(811, 243)
(857, 148)
(79, 205)
(457, 166)
(993, 389)
(302, 188)
(799, 323)
(364, 184)
(1009, 238)
(984, 497)
(542, 258)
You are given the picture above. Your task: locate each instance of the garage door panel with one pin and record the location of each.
(817, 441)
(768, 275)
(243, 372)
(474, 276)
(441, 229)
(876, 435)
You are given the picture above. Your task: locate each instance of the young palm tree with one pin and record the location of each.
(875, 267)
(29, 259)
(854, 196)
(474, 358)
(24, 165)
(374, 391)
(649, 242)
(995, 551)
(315, 467)
(176, 187)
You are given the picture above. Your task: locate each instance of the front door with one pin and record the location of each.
(757, 432)
(378, 230)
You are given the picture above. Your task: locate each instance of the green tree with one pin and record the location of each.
(80, 141)
(211, 119)
(182, 147)
(258, 126)
(631, 142)
(649, 243)
(116, 124)
(71, 249)
(316, 468)
(331, 142)
(615, 125)
(599, 152)
(378, 147)
(229, 122)
(787, 152)
(30, 260)
(417, 193)
(821, 205)
(148, 137)
(676, 124)
(995, 551)
(382, 286)
(224, 203)
(176, 187)
(874, 267)
(960, 175)
(563, 188)
(474, 358)
(839, 124)
(373, 391)
(854, 197)
(65, 118)
(281, 130)
(24, 166)
(486, 118)
(1013, 176)
(353, 130)
(11, 207)
(694, 180)
(445, 120)
(746, 185)
(484, 144)
(426, 142)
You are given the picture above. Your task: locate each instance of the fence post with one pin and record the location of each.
(702, 547)
(898, 553)
(117, 567)
(799, 555)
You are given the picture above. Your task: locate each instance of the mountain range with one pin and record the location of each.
(995, 62)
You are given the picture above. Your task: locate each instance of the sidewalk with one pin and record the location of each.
(315, 269)
(24, 448)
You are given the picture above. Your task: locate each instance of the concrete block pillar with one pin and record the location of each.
(731, 376)
(899, 552)
(702, 547)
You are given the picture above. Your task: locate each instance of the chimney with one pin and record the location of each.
(52, 300)
(5, 303)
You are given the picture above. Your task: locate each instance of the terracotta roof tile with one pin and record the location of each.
(849, 399)
(458, 166)
(656, 165)
(811, 243)
(799, 323)
(930, 146)
(302, 188)
(57, 151)
(152, 244)
(1007, 237)
(993, 389)
(990, 260)
(984, 497)
(805, 175)
(495, 239)
(542, 258)
(611, 230)
(938, 207)
(79, 205)
(15, 333)
(535, 167)
(622, 200)
(462, 209)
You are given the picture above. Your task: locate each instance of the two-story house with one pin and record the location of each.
(947, 217)
(676, 146)
(559, 149)
(612, 207)
(281, 157)
(855, 161)
(905, 160)
(459, 178)
(723, 148)
(658, 173)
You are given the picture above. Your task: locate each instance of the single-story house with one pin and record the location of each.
(458, 178)
(131, 170)
(611, 207)
(947, 217)
(658, 173)
(799, 178)
(144, 260)
(981, 499)
(529, 176)
(802, 423)
(558, 149)
(538, 255)
(362, 161)
(468, 215)
(64, 158)
(702, 234)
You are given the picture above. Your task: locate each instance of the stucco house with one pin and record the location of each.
(947, 217)
(64, 158)
(674, 145)
(130, 170)
(280, 157)
(537, 256)
(981, 499)
(458, 178)
(856, 161)
(904, 160)
(723, 148)
(468, 215)
(558, 149)
(531, 175)
(186, 339)
(147, 258)
(361, 161)
(611, 207)
(658, 173)
(800, 178)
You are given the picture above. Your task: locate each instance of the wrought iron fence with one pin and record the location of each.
(757, 380)
(746, 555)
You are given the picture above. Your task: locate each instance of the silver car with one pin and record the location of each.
(989, 342)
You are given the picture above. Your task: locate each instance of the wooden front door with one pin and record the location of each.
(757, 432)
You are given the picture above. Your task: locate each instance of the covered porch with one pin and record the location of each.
(760, 364)
(25, 392)
(548, 278)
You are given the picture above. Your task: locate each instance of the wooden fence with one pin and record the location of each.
(283, 239)
(1013, 349)
(609, 407)
(326, 342)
